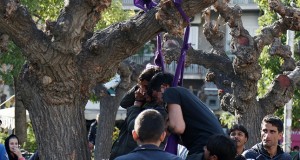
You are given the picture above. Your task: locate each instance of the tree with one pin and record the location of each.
(68, 59)
(237, 81)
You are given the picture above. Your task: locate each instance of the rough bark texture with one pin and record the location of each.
(20, 116)
(66, 61)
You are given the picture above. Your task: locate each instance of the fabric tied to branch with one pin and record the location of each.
(172, 142)
(159, 59)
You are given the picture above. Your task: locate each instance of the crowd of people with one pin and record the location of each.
(156, 110)
(186, 116)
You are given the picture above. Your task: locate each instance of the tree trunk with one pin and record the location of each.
(20, 116)
(108, 112)
(59, 129)
(20, 121)
(252, 122)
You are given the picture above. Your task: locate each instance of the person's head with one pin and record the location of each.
(271, 131)
(219, 147)
(240, 134)
(149, 127)
(11, 142)
(158, 84)
(296, 148)
(146, 76)
(0, 122)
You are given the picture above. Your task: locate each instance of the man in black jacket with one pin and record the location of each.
(135, 101)
(92, 133)
(271, 133)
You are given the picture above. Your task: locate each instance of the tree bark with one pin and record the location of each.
(20, 114)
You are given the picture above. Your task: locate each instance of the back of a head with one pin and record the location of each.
(149, 72)
(159, 79)
(238, 127)
(275, 121)
(149, 125)
(221, 146)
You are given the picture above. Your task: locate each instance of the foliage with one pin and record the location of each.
(43, 10)
(114, 14)
(3, 136)
(271, 65)
(227, 119)
(30, 143)
(116, 134)
(14, 62)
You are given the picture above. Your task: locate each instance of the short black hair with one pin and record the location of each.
(159, 79)
(149, 125)
(238, 127)
(221, 146)
(275, 121)
(149, 72)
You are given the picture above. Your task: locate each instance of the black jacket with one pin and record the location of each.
(258, 152)
(148, 152)
(92, 132)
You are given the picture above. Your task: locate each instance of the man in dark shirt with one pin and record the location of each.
(271, 133)
(188, 116)
(149, 132)
(92, 133)
(135, 101)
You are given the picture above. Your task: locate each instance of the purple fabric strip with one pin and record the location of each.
(159, 59)
(171, 146)
(172, 142)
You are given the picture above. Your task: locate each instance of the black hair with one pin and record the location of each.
(149, 72)
(221, 146)
(149, 125)
(238, 127)
(275, 121)
(11, 155)
(158, 80)
(296, 147)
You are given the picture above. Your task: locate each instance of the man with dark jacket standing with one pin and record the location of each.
(92, 133)
(271, 133)
(135, 101)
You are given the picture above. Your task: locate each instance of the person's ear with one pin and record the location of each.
(135, 135)
(162, 136)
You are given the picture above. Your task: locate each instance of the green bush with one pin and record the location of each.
(30, 143)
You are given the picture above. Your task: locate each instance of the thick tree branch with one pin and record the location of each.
(290, 15)
(123, 39)
(76, 21)
(16, 22)
(281, 91)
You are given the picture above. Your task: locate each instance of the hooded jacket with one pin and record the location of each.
(258, 152)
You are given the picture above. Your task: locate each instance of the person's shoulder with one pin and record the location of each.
(286, 156)
(170, 156)
(125, 157)
(250, 153)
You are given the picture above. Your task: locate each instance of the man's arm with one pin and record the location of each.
(176, 121)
